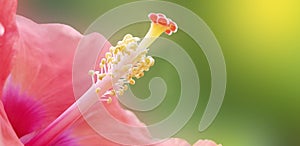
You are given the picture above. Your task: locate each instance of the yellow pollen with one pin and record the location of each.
(103, 61)
(108, 55)
(125, 87)
(141, 74)
(127, 36)
(129, 76)
(101, 76)
(101, 65)
(114, 62)
(128, 59)
(91, 72)
(98, 90)
(109, 60)
(116, 51)
(131, 81)
(118, 58)
(133, 47)
(122, 48)
(150, 61)
(111, 49)
(112, 93)
(121, 92)
(109, 100)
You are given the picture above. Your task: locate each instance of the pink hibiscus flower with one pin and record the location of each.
(37, 105)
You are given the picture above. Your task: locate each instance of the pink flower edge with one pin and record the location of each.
(206, 143)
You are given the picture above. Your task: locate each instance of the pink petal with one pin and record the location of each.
(7, 135)
(104, 124)
(43, 63)
(64, 140)
(206, 143)
(22, 110)
(174, 142)
(8, 35)
(42, 71)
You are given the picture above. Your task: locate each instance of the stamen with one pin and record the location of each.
(128, 58)
(101, 76)
(108, 100)
(131, 81)
(98, 90)
(91, 72)
(112, 93)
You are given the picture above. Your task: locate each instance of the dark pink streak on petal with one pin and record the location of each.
(24, 113)
(64, 139)
(8, 136)
(43, 69)
(8, 36)
(43, 64)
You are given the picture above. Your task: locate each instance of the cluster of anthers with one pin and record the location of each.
(128, 59)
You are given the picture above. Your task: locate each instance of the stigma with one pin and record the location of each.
(128, 60)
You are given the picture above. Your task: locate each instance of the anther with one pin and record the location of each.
(112, 92)
(131, 81)
(129, 58)
(98, 90)
(125, 87)
(103, 61)
(91, 72)
(150, 61)
(108, 55)
(141, 74)
(101, 76)
(108, 100)
(111, 49)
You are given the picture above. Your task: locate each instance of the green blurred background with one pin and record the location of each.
(260, 42)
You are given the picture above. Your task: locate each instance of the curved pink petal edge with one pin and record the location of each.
(206, 143)
(8, 35)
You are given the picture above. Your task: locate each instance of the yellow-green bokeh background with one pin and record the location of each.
(260, 40)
